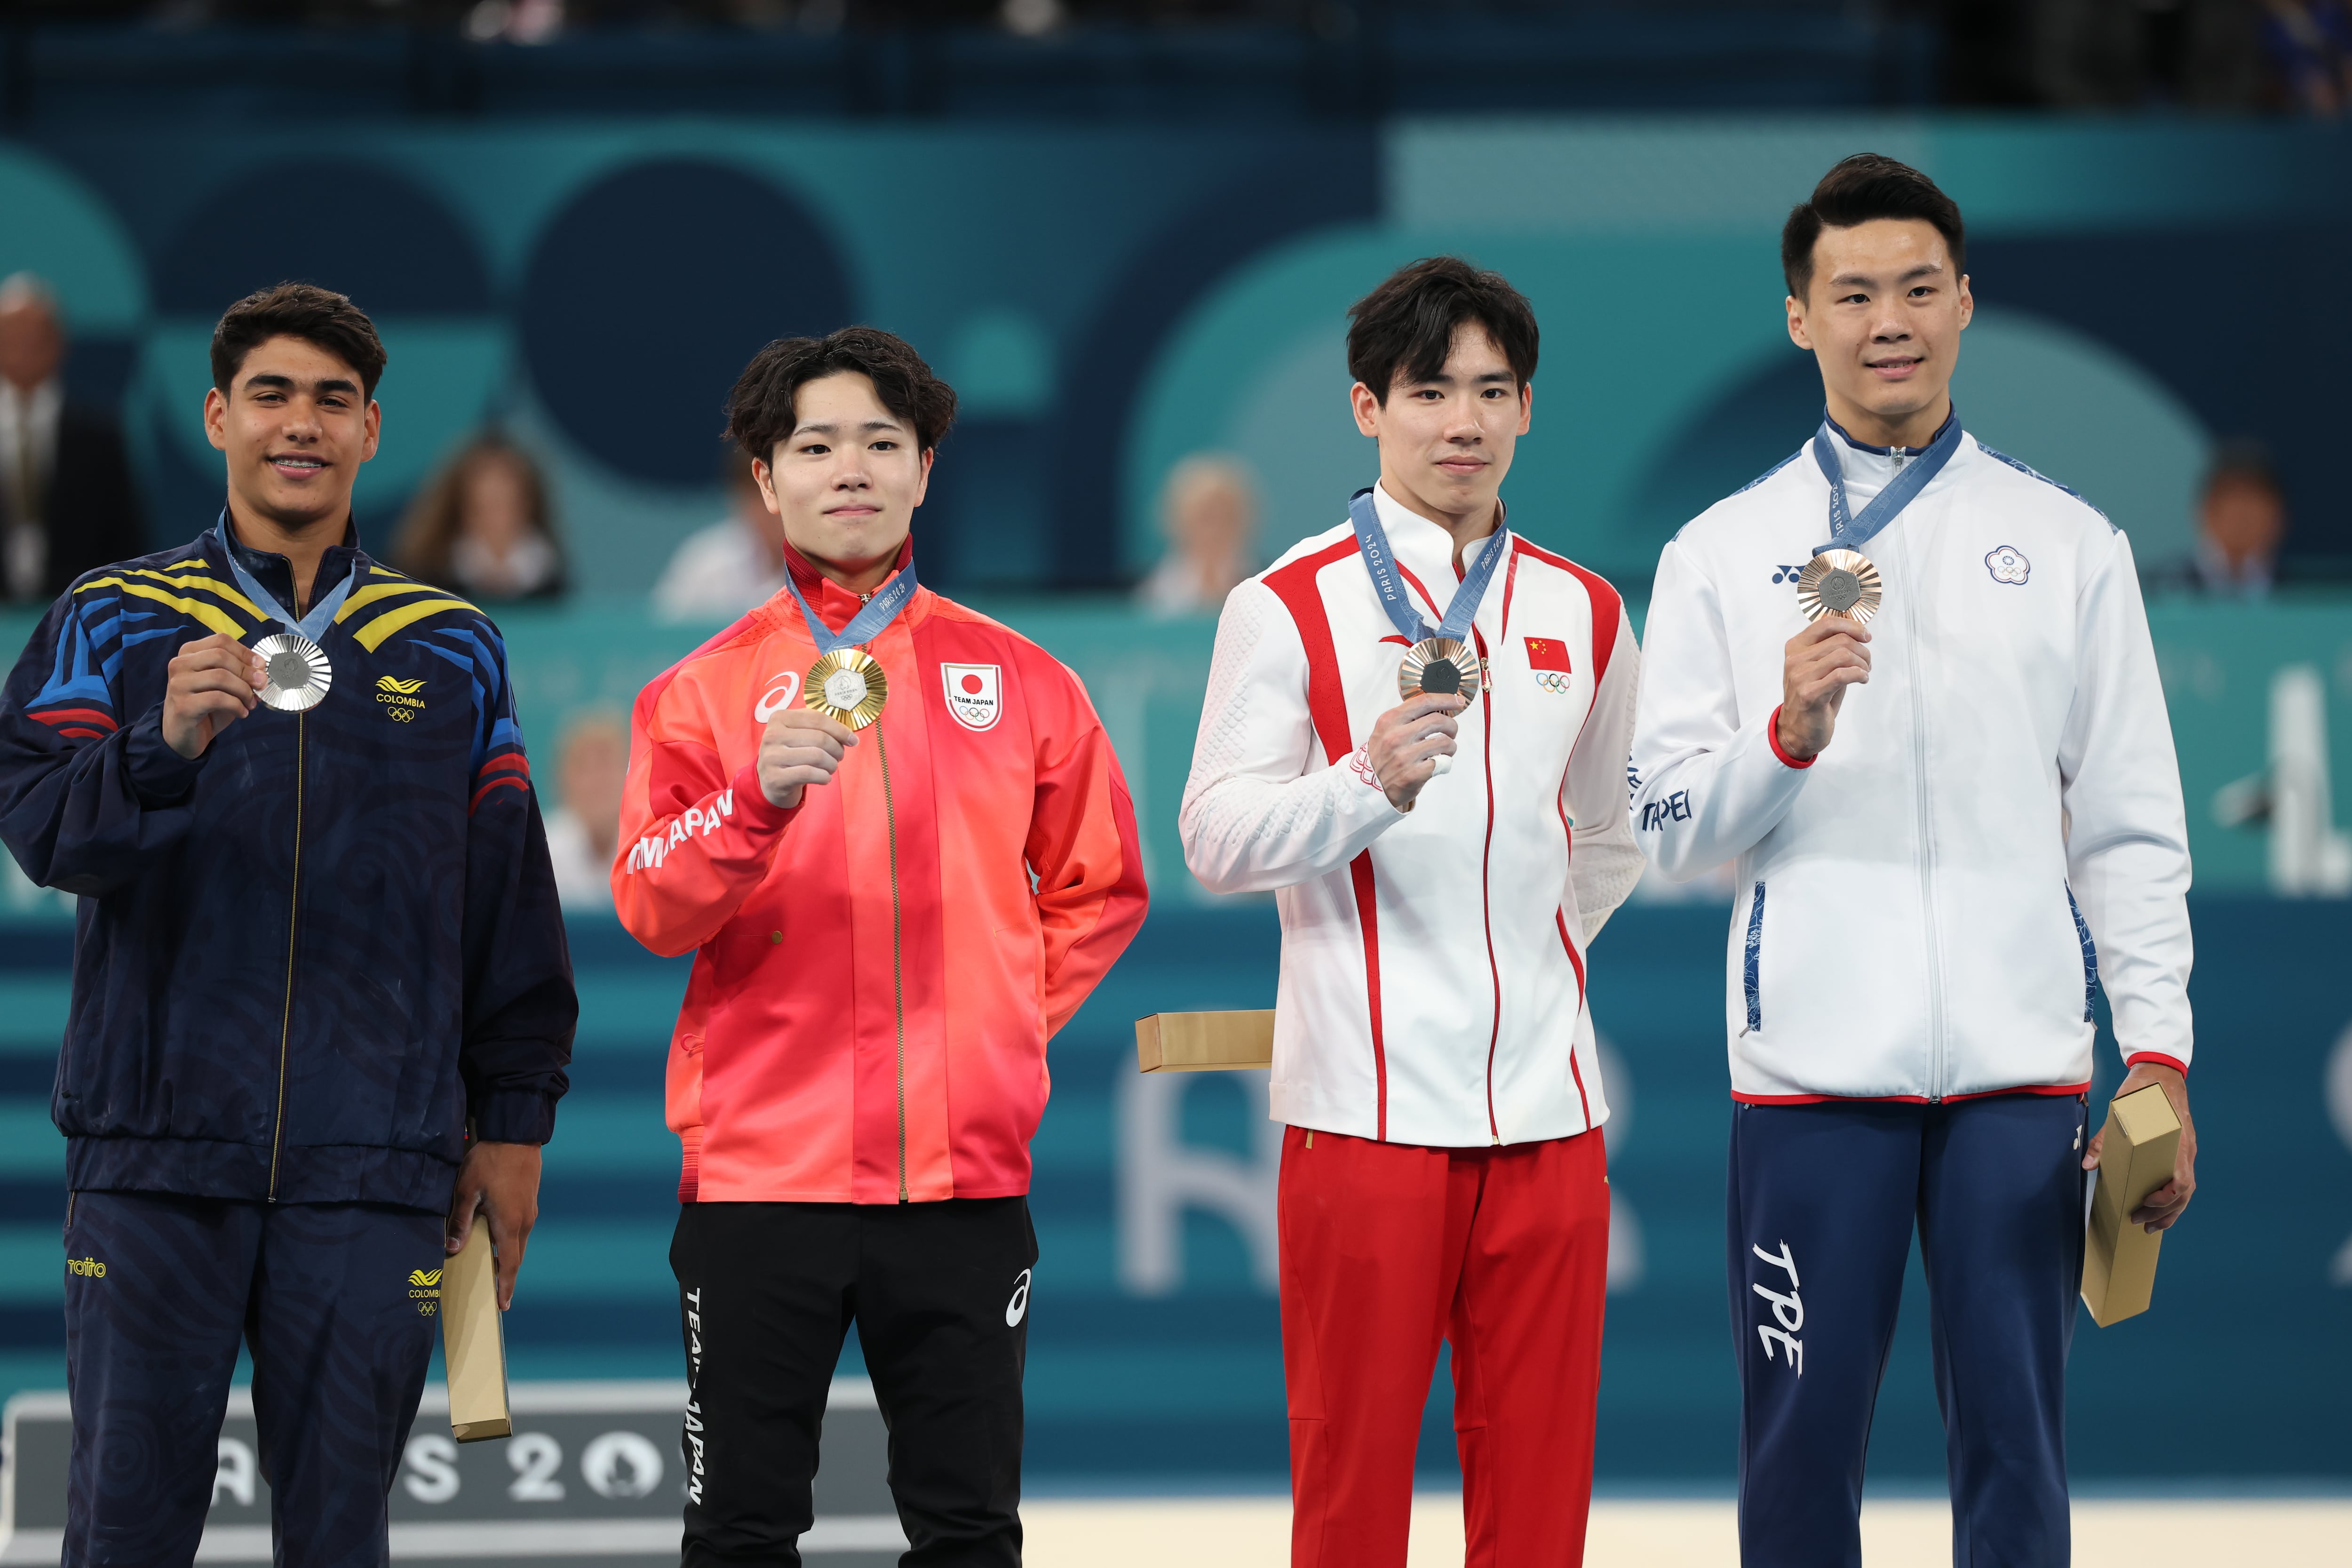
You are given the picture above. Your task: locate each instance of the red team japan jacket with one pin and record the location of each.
(875, 975)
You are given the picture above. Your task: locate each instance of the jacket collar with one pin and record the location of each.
(275, 572)
(1847, 437)
(1424, 545)
(834, 605)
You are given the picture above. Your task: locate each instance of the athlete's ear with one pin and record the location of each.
(923, 480)
(1366, 408)
(374, 423)
(1796, 333)
(764, 476)
(1526, 406)
(1968, 303)
(217, 419)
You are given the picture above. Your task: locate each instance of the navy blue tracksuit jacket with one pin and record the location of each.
(306, 958)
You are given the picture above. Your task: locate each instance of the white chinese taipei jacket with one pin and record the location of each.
(1432, 962)
(1995, 827)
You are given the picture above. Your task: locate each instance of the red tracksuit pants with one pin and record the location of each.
(1501, 1252)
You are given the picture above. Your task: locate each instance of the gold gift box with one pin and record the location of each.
(2142, 1137)
(1205, 1042)
(472, 1342)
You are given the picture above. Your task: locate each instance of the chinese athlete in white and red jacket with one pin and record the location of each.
(1443, 1175)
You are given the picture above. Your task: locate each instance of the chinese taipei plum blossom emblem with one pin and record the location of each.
(2008, 564)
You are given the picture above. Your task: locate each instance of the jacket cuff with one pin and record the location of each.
(514, 1116)
(751, 802)
(160, 776)
(2160, 1058)
(1773, 734)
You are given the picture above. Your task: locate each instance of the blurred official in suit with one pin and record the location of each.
(67, 504)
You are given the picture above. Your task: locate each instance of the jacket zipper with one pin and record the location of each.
(1486, 878)
(1926, 830)
(898, 965)
(293, 909)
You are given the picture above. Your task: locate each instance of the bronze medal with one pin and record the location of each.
(1839, 582)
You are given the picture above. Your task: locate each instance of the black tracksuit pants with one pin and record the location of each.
(940, 1292)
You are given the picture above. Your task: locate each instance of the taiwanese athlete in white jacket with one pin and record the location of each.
(1443, 1175)
(1955, 812)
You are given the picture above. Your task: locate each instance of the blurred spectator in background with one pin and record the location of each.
(1209, 510)
(731, 567)
(2134, 54)
(584, 831)
(2241, 521)
(2310, 47)
(482, 528)
(66, 501)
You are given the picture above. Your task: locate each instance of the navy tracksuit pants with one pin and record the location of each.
(1822, 1201)
(158, 1292)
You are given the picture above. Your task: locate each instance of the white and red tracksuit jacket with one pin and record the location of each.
(877, 971)
(1432, 962)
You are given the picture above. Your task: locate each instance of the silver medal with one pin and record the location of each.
(297, 669)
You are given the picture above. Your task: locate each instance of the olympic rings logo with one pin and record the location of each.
(1552, 680)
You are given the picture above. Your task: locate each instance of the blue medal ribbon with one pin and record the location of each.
(867, 625)
(312, 625)
(1848, 532)
(1372, 541)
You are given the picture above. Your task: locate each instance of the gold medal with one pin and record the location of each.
(298, 671)
(1839, 582)
(847, 685)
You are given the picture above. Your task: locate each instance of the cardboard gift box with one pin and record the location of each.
(1205, 1042)
(2142, 1137)
(472, 1342)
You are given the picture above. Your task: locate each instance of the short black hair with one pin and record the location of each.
(1859, 189)
(1405, 327)
(760, 410)
(304, 311)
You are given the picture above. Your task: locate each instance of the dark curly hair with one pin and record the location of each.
(304, 311)
(759, 409)
(1856, 190)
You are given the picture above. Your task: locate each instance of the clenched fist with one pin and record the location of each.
(802, 747)
(215, 681)
(1408, 739)
(1823, 660)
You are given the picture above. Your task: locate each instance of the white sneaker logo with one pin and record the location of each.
(1018, 1308)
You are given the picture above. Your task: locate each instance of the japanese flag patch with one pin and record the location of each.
(975, 694)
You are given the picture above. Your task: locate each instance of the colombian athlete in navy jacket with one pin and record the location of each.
(307, 955)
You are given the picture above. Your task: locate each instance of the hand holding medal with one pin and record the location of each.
(1439, 675)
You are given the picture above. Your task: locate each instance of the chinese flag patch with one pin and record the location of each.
(1548, 653)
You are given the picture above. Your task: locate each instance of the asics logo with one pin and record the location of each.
(779, 695)
(1018, 1308)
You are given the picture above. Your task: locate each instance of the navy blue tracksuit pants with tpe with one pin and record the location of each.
(1822, 1201)
(163, 1289)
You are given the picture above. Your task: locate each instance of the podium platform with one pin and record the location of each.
(592, 1475)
